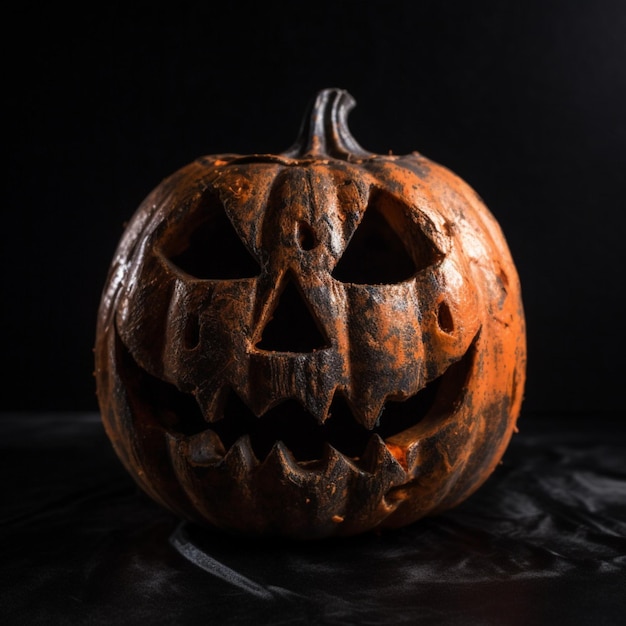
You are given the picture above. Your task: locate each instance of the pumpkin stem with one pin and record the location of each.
(324, 130)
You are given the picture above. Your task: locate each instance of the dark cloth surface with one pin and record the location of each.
(543, 541)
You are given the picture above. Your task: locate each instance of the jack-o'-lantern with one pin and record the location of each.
(315, 343)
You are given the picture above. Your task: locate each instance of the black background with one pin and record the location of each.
(524, 100)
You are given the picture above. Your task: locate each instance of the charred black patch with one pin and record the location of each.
(417, 165)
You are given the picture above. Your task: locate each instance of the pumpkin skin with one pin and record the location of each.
(317, 343)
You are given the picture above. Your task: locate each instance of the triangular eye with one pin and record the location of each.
(210, 248)
(386, 248)
(292, 327)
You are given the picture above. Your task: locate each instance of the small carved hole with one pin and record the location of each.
(444, 318)
(306, 236)
(504, 279)
(192, 331)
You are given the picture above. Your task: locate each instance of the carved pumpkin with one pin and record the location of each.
(315, 343)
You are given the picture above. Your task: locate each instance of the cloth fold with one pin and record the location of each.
(542, 541)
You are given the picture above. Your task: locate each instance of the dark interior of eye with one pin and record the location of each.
(211, 248)
(387, 246)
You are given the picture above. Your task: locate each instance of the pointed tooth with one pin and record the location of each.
(260, 404)
(240, 459)
(367, 411)
(378, 459)
(407, 455)
(205, 448)
(332, 459)
(282, 460)
(211, 401)
(413, 458)
(243, 393)
(318, 410)
(335, 462)
(317, 403)
(258, 390)
(339, 475)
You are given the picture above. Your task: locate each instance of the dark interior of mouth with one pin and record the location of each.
(288, 421)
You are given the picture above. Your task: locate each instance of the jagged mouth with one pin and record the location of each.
(287, 423)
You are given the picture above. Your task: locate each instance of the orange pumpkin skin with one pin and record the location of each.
(398, 399)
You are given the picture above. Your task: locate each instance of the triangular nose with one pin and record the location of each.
(292, 326)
